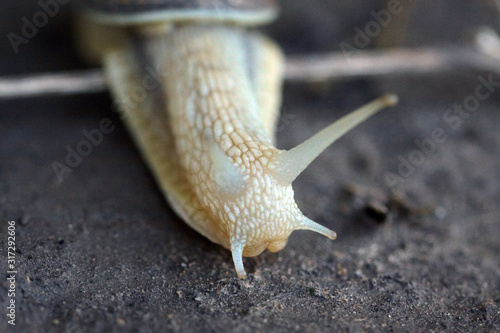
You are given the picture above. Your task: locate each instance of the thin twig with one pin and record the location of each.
(311, 68)
(64, 83)
(365, 64)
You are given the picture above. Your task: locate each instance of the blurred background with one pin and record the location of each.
(312, 26)
(102, 251)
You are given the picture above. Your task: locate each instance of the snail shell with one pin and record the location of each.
(206, 121)
(141, 12)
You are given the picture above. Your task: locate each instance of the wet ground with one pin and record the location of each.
(413, 195)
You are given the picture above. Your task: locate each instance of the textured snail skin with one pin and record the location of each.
(207, 133)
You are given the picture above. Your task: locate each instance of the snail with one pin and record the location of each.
(200, 95)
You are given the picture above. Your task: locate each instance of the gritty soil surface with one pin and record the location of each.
(418, 245)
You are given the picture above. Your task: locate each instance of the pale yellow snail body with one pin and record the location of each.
(201, 97)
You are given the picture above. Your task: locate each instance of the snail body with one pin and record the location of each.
(206, 128)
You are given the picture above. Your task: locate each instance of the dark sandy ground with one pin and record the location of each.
(103, 252)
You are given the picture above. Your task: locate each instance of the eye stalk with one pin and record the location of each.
(288, 165)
